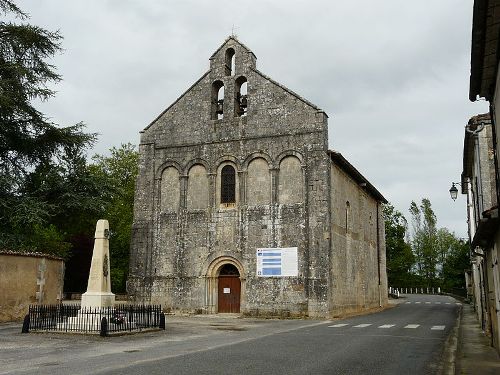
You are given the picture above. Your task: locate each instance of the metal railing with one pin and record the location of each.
(103, 320)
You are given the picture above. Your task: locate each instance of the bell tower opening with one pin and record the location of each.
(217, 100)
(230, 62)
(240, 97)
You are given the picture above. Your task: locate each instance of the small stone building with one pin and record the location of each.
(28, 278)
(241, 207)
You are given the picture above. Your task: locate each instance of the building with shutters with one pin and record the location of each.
(240, 206)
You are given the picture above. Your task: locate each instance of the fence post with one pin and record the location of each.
(26, 324)
(104, 327)
(162, 320)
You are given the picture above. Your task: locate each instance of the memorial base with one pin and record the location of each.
(98, 299)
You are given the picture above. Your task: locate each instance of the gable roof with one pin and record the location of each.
(288, 91)
(339, 160)
(253, 69)
(232, 37)
(175, 101)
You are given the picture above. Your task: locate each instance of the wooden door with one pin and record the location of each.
(229, 294)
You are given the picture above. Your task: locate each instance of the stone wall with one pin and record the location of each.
(28, 279)
(358, 274)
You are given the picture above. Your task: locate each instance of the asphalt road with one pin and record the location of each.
(406, 339)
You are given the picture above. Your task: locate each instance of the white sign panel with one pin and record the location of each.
(277, 262)
(227, 291)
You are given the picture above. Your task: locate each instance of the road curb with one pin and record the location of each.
(451, 348)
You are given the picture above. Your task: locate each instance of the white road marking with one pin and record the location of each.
(413, 326)
(458, 303)
(437, 303)
(448, 303)
(338, 325)
(418, 302)
(427, 302)
(362, 325)
(387, 326)
(437, 328)
(408, 302)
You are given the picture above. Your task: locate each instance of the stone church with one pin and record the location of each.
(240, 207)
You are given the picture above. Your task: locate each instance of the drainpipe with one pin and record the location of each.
(378, 258)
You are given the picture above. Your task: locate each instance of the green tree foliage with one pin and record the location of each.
(454, 259)
(39, 160)
(117, 174)
(424, 241)
(399, 255)
(428, 257)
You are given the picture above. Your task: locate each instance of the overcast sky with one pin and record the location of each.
(392, 75)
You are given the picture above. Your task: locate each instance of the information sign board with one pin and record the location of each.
(277, 262)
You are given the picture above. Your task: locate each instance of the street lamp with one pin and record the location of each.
(454, 190)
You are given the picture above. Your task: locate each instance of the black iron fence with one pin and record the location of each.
(103, 320)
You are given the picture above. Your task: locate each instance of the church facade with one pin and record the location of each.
(240, 206)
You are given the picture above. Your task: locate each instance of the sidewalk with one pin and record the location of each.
(474, 353)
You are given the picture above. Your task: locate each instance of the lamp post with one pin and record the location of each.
(454, 190)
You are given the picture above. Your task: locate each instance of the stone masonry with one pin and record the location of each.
(240, 162)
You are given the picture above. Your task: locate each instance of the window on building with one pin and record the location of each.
(228, 185)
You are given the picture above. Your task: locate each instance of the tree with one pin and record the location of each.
(32, 149)
(399, 256)
(118, 173)
(455, 264)
(424, 240)
(454, 259)
(428, 257)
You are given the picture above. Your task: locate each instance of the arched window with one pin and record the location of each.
(230, 62)
(240, 97)
(217, 100)
(228, 185)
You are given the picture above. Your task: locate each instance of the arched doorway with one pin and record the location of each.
(229, 289)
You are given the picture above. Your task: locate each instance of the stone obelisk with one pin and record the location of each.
(99, 285)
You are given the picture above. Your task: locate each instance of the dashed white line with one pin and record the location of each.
(412, 326)
(437, 328)
(427, 302)
(437, 303)
(386, 326)
(407, 302)
(418, 302)
(458, 303)
(448, 303)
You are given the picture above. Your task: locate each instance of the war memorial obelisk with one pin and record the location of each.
(98, 292)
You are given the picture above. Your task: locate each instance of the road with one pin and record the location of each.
(406, 339)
